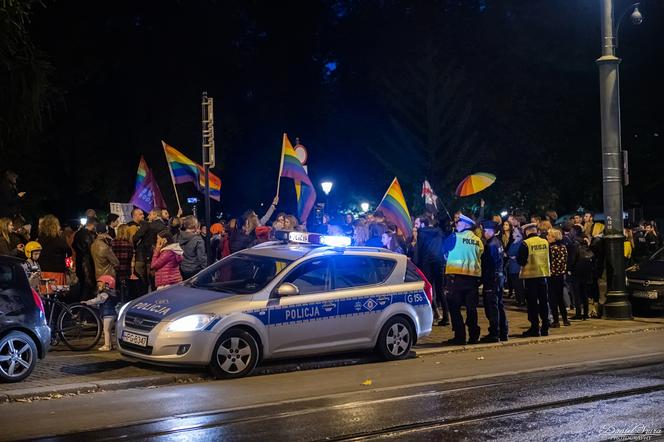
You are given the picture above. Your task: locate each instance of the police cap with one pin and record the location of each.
(466, 219)
(489, 225)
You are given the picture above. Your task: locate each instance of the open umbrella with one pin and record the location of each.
(475, 183)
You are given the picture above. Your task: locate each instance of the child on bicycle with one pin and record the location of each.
(32, 268)
(106, 300)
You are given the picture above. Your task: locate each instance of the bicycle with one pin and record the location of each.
(77, 325)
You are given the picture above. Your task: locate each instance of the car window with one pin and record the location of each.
(239, 274)
(356, 271)
(312, 276)
(411, 273)
(6, 277)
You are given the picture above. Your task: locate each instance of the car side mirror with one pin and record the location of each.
(288, 289)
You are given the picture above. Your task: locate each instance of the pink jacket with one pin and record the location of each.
(166, 264)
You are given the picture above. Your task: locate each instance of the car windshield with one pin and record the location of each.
(239, 274)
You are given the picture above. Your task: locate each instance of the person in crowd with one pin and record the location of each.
(581, 267)
(32, 268)
(123, 249)
(175, 227)
(628, 245)
(558, 260)
(263, 221)
(279, 222)
(112, 223)
(651, 238)
(10, 243)
(588, 223)
(533, 257)
(263, 234)
(10, 197)
(216, 240)
(463, 270)
(292, 223)
(360, 231)
(106, 299)
(165, 217)
(202, 230)
(390, 242)
(535, 219)
(102, 254)
(245, 237)
(22, 229)
(194, 257)
(376, 229)
(144, 242)
(54, 250)
(429, 259)
(137, 217)
(577, 219)
(492, 283)
(543, 228)
(166, 260)
(551, 216)
(597, 246)
(324, 225)
(85, 266)
(516, 286)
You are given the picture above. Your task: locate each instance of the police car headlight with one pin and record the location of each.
(191, 323)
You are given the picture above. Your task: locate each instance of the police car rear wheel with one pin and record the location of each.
(395, 339)
(235, 355)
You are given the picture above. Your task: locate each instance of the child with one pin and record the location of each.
(106, 299)
(32, 268)
(166, 260)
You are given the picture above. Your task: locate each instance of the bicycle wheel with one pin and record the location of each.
(79, 326)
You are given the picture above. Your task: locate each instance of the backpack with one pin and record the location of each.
(586, 256)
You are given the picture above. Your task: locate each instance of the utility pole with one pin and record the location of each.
(208, 161)
(617, 304)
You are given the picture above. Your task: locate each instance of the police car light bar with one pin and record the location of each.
(313, 238)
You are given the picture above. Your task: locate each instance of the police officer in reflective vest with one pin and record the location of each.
(492, 284)
(462, 272)
(533, 256)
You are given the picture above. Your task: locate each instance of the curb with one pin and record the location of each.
(58, 391)
(514, 342)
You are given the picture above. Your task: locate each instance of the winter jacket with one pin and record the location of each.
(103, 256)
(513, 266)
(194, 256)
(54, 252)
(85, 266)
(582, 266)
(492, 262)
(558, 258)
(429, 246)
(146, 238)
(107, 300)
(124, 251)
(240, 240)
(9, 248)
(166, 264)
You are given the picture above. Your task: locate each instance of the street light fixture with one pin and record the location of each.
(365, 207)
(617, 304)
(327, 187)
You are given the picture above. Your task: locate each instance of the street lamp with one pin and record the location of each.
(365, 207)
(327, 187)
(617, 305)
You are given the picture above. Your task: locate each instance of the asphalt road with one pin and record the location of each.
(591, 389)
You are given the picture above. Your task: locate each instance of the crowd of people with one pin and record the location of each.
(545, 266)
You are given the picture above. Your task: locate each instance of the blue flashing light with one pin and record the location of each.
(335, 241)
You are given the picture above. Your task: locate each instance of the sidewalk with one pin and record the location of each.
(68, 373)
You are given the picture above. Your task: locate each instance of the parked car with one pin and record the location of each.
(24, 335)
(307, 295)
(645, 284)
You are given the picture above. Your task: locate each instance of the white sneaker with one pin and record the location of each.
(104, 348)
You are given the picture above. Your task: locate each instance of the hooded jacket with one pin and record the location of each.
(103, 256)
(194, 256)
(166, 264)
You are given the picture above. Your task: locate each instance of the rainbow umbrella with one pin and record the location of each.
(475, 183)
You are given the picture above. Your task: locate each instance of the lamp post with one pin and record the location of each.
(327, 188)
(365, 207)
(617, 305)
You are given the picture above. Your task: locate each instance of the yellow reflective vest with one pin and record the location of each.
(537, 265)
(465, 257)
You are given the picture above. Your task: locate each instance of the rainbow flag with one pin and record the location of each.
(291, 167)
(142, 172)
(393, 206)
(183, 170)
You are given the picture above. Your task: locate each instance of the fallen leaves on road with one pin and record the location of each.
(367, 382)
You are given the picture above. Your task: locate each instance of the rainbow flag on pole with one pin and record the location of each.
(147, 195)
(393, 206)
(184, 170)
(291, 167)
(142, 172)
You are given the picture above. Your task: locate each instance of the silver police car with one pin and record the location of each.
(305, 295)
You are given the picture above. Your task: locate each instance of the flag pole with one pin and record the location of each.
(281, 163)
(177, 198)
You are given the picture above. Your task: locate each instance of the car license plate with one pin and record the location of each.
(133, 338)
(652, 294)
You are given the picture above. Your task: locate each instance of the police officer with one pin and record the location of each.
(463, 270)
(492, 284)
(533, 256)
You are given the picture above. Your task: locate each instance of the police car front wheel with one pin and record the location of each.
(395, 338)
(235, 355)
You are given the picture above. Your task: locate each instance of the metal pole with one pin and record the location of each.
(208, 161)
(617, 305)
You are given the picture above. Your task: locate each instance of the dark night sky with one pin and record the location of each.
(356, 81)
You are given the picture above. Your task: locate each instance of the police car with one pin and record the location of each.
(304, 295)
